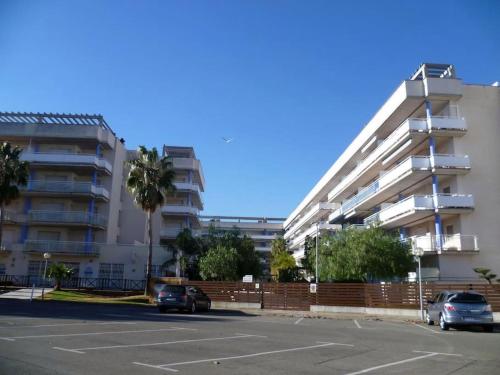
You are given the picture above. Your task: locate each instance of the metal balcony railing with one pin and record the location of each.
(67, 217)
(71, 187)
(443, 243)
(62, 247)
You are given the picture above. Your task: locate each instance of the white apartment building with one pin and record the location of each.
(76, 206)
(262, 230)
(426, 165)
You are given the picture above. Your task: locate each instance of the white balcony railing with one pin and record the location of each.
(67, 217)
(191, 187)
(62, 247)
(63, 158)
(417, 163)
(408, 127)
(421, 203)
(190, 164)
(443, 243)
(316, 210)
(179, 209)
(311, 231)
(66, 187)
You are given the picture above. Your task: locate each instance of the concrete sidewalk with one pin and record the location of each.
(25, 294)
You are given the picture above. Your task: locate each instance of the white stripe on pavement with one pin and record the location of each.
(298, 320)
(71, 324)
(393, 364)
(168, 366)
(357, 324)
(95, 333)
(83, 350)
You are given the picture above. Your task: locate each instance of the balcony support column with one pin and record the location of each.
(88, 235)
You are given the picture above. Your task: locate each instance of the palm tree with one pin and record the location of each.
(59, 272)
(149, 179)
(13, 173)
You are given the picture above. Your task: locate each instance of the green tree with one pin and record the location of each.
(13, 173)
(485, 274)
(309, 255)
(362, 255)
(190, 249)
(283, 266)
(219, 263)
(248, 259)
(59, 272)
(149, 180)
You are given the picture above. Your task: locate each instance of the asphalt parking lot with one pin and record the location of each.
(66, 338)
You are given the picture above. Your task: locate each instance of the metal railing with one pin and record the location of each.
(63, 247)
(68, 217)
(445, 242)
(73, 187)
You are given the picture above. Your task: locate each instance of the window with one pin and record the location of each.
(48, 236)
(111, 270)
(447, 190)
(2, 269)
(156, 270)
(449, 229)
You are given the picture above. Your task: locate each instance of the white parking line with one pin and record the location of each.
(71, 324)
(168, 366)
(393, 364)
(95, 333)
(357, 324)
(299, 320)
(83, 350)
(431, 330)
(439, 353)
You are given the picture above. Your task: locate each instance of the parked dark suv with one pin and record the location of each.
(459, 308)
(182, 297)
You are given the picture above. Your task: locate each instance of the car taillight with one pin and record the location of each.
(488, 308)
(162, 294)
(449, 307)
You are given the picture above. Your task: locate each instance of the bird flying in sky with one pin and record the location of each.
(227, 140)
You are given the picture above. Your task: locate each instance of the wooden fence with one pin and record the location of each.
(297, 296)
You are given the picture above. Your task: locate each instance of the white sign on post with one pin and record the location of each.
(248, 279)
(312, 287)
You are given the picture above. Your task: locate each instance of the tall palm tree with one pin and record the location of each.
(150, 178)
(13, 173)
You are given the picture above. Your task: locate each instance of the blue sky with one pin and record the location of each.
(292, 82)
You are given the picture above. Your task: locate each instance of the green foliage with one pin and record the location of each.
(219, 263)
(485, 274)
(13, 173)
(283, 266)
(248, 259)
(309, 254)
(59, 272)
(362, 255)
(149, 179)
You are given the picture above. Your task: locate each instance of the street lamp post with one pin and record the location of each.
(317, 238)
(418, 254)
(46, 256)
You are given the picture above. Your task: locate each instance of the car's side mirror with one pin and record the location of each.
(430, 302)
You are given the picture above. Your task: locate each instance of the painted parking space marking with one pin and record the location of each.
(70, 324)
(169, 366)
(83, 350)
(357, 324)
(298, 320)
(431, 330)
(413, 359)
(97, 333)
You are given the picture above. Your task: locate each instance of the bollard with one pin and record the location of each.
(32, 291)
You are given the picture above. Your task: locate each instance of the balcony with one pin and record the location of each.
(67, 159)
(192, 165)
(315, 212)
(418, 207)
(262, 237)
(74, 218)
(172, 233)
(413, 130)
(311, 231)
(191, 188)
(59, 131)
(407, 173)
(68, 248)
(171, 209)
(444, 243)
(66, 188)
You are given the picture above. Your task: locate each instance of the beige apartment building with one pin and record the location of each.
(76, 206)
(427, 166)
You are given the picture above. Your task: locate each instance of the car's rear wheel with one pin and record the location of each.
(193, 307)
(428, 319)
(488, 328)
(442, 324)
(209, 306)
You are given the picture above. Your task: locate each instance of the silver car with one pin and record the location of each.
(459, 308)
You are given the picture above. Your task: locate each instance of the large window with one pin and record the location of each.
(111, 270)
(2, 269)
(156, 270)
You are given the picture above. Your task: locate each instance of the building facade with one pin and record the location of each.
(425, 165)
